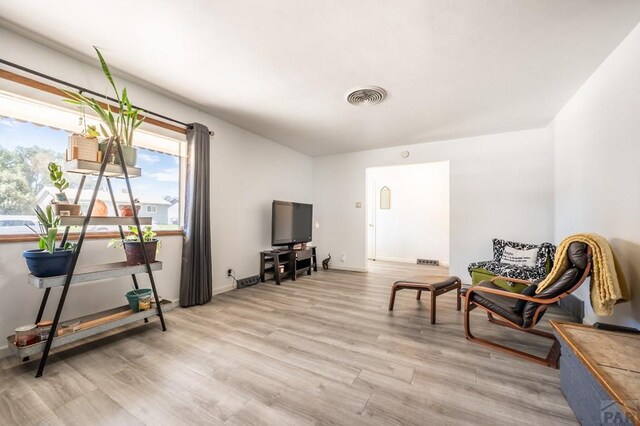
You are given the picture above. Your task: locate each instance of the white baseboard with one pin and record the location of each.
(347, 268)
(395, 259)
(224, 289)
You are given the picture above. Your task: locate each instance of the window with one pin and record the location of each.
(33, 134)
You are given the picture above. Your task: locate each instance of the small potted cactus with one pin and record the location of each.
(61, 205)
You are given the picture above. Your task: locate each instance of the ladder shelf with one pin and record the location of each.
(113, 318)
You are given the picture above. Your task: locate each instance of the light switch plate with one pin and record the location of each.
(358, 204)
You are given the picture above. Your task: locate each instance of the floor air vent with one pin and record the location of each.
(428, 262)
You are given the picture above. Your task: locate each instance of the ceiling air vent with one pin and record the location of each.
(366, 95)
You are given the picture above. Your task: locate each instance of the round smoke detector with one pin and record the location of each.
(366, 95)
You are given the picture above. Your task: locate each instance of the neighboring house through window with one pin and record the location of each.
(33, 134)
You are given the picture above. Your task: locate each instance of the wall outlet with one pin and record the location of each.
(358, 204)
(343, 258)
(229, 272)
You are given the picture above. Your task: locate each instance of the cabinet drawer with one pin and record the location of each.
(303, 254)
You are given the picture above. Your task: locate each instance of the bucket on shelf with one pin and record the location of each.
(139, 300)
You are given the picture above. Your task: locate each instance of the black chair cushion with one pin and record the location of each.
(578, 254)
(564, 283)
(529, 291)
(502, 306)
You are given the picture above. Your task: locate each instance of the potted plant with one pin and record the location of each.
(61, 205)
(119, 126)
(132, 246)
(127, 211)
(47, 260)
(85, 145)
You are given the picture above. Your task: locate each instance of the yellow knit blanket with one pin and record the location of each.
(608, 285)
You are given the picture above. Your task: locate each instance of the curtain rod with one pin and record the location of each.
(82, 89)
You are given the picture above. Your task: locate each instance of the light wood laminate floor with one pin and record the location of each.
(321, 350)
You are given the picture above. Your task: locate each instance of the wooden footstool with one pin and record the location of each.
(422, 284)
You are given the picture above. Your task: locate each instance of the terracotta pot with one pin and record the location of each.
(134, 252)
(127, 211)
(100, 209)
(66, 209)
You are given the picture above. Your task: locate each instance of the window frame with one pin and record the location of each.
(27, 237)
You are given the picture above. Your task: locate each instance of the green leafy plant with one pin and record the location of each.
(48, 224)
(91, 132)
(119, 124)
(57, 177)
(148, 235)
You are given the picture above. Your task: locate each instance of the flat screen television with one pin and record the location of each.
(291, 223)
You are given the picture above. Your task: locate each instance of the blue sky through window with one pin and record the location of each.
(160, 172)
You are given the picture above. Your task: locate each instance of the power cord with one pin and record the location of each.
(230, 273)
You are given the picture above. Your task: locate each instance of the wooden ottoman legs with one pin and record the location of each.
(392, 297)
(435, 289)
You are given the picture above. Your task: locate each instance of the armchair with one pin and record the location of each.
(499, 267)
(522, 311)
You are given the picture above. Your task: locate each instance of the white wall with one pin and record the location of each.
(247, 173)
(500, 186)
(417, 224)
(597, 172)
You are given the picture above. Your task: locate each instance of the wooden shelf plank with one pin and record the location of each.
(85, 167)
(103, 220)
(84, 274)
(117, 318)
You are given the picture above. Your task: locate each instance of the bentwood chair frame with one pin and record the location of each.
(552, 357)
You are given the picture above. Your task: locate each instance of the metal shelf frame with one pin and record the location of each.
(104, 220)
(122, 316)
(84, 274)
(104, 170)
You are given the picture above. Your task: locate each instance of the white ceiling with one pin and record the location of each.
(281, 68)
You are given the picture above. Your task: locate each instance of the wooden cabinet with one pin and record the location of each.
(287, 263)
(599, 373)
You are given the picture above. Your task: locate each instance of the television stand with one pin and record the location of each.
(283, 263)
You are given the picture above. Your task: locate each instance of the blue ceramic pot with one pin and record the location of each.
(44, 264)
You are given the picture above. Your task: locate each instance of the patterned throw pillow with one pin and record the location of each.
(546, 251)
(499, 245)
(513, 256)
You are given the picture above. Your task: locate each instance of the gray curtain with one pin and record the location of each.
(196, 276)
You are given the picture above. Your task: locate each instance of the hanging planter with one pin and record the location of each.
(82, 146)
(120, 126)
